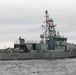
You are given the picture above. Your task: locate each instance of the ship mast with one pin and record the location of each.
(50, 27)
(47, 16)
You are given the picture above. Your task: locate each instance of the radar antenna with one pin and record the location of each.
(49, 27)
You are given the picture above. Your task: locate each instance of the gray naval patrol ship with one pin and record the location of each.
(51, 46)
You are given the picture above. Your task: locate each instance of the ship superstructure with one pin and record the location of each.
(52, 38)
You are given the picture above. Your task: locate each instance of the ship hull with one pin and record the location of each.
(38, 55)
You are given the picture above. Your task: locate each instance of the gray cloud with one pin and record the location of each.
(25, 11)
(12, 32)
(24, 18)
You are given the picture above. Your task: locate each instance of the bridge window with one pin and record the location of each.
(60, 39)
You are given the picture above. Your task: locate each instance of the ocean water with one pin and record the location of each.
(39, 67)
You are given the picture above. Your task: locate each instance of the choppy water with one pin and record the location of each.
(39, 67)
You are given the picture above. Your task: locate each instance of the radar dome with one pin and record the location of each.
(41, 36)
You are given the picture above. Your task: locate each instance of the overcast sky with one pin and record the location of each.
(25, 17)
